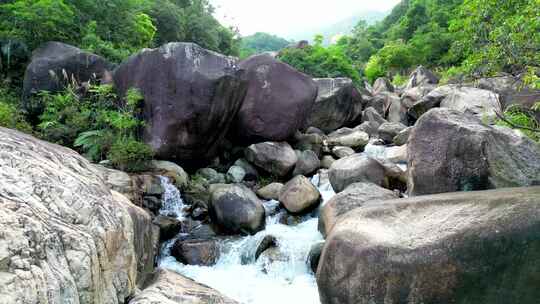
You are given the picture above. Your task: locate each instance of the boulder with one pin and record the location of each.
(191, 96)
(311, 141)
(481, 103)
(278, 102)
(313, 130)
(389, 130)
(421, 77)
(382, 85)
(397, 154)
(338, 104)
(299, 195)
(172, 170)
(211, 175)
(307, 163)
(54, 65)
(269, 241)
(327, 161)
(348, 138)
(66, 238)
(411, 96)
(196, 252)
(402, 137)
(468, 247)
(168, 287)
(169, 227)
(236, 209)
(353, 169)
(370, 114)
(251, 172)
(236, 174)
(118, 181)
(512, 91)
(314, 256)
(354, 196)
(369, 127)
(270, 192)
(341, 152)
(397, 112)
(449, 151)
(277, 158)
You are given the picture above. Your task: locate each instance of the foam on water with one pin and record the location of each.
(286, 279)
(172, 204)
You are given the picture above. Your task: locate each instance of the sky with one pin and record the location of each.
(283, 17)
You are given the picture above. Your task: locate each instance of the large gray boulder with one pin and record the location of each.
(512, 90)
(355, 168)
(236, 209)
(354, 196)
(307, 163)
(469, 247)
(278, 102)
(299, 195)
(352, 138)
(54, 65)
(66, 238)
(382, 85)
(191, 96)
(338, 104)
(277, 158)
(168, 287)
(421, 77)
(451, 151)
(481, 103)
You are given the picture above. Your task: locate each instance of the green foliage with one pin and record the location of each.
(260, 43)
(10, 116)
(97, 124)
(399, 80)
(320, 61)
(520, 118)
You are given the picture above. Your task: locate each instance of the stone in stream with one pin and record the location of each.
(466, 247)
(212, 176)
(62, 228)
(271, 191)
(348, 138)
(236, 174)
(311, 141)
(251, 172)
(278, 102)
(389, 130)
(191, 97)
(196, 252)
(167, 287)
(356, 168)
(299, 195)
(341, 152)
(267, 242)
(314, 256)
(354, 196)
(307, 163)
(370, 114)
(338, 104)
(277, 158)
(327, 161)
(236, 209)
(172, 170)
(169, 227)
(402, 137)
(53, 66)
(451, 151)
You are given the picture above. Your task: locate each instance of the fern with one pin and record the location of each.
(91, 143)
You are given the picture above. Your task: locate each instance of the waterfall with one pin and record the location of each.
(172, 203)
(284, 279)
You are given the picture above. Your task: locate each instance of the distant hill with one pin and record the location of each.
(343, 27)
(260, 43)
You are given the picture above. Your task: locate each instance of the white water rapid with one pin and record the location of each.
(285, 278)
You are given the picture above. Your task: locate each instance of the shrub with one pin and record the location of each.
(520, 119)
(129, 154)
(10, 116)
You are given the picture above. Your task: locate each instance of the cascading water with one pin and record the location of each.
(172, 203)
(284, 278)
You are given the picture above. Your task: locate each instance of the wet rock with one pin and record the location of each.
(314, 130)
(389, 130)
(402, 137)
(169, 227)
(421, 77)
(273, 157)
(236, 174)
(397, 154)
(449, 151)
(338, 104)
(314, 256)
(168, 287)
(354, 196)
(149, 185)
(62, 227)
(236, 209)
(426, 249)
(353, 169)
(211, 175)
(271, 191)
(172, 170)
(278, 101)
(382, 85)
(307, 163)
(327, 161)
(251, 171)
(54, 66)
(299, 195)
(341, 152)
(191, 97)
(348, 138)
(196, 252)
(152, 203)
(267, 242)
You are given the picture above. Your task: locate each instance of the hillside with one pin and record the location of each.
(260, 43)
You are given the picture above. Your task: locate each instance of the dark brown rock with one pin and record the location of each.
(196, 252)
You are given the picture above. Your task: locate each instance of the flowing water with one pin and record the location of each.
(284, 278)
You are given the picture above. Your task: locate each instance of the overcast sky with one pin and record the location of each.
(282, 17)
